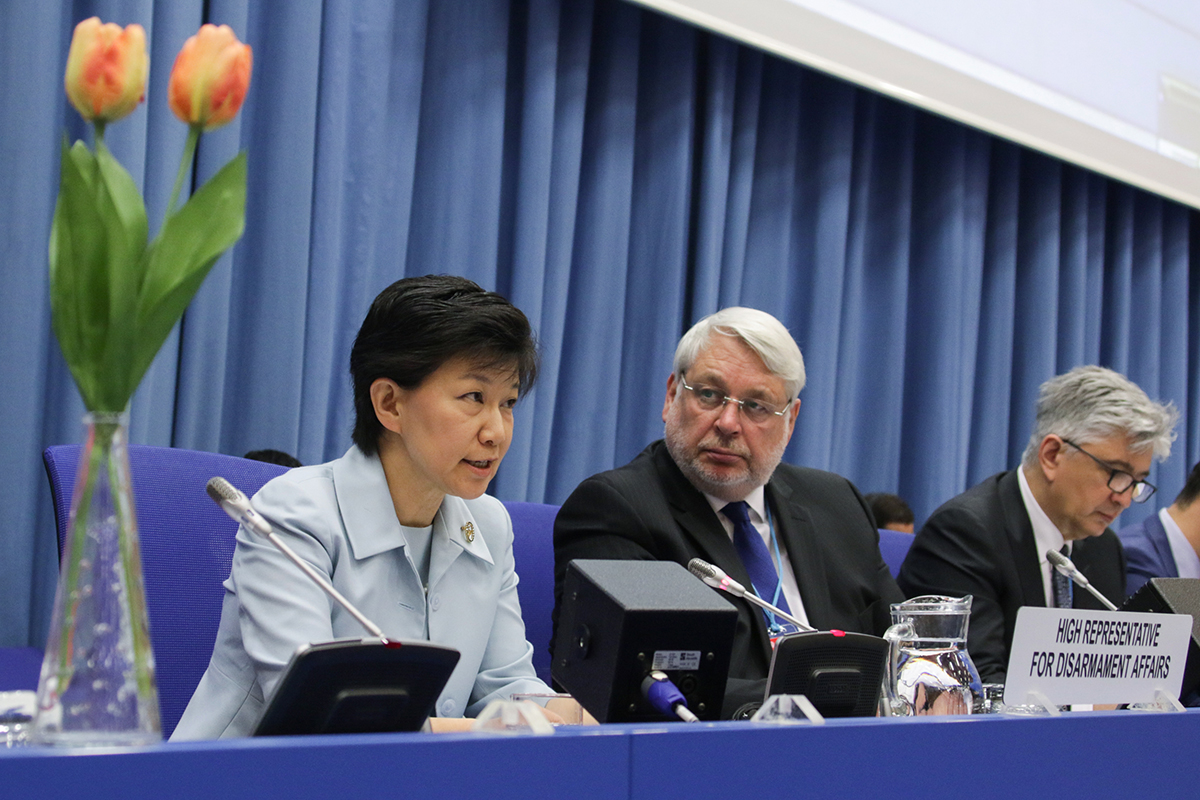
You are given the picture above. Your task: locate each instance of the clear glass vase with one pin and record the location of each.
(97, 684)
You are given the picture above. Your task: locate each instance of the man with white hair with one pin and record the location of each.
(1094, 438)
(714, 489)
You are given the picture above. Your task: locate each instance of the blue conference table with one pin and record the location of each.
(1095, 755)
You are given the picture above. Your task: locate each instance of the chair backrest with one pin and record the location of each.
(19, 669)
(533, 549)
(187, 547)
(893, 545)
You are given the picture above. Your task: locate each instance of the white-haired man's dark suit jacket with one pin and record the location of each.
(648, 510)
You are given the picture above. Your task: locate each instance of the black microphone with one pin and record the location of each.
(1068, 568)
(237, 505)
(715, 577)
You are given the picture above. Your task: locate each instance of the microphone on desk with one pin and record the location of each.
(237, 505)
(1067, 567)
(715, 577)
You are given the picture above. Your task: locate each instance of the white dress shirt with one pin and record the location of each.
(1045, 534)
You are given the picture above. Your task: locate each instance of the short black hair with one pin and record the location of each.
(274, 457)
(888, 508)
(1191, 488)
(418, 324)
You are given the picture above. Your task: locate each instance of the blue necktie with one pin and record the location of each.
(753, 551)
(1064, 591)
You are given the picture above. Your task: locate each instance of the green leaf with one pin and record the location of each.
(97, 240)
(180, 257)
(113, 299)
(79, 256)
(120, 203)
(125, 196)
(64, 315)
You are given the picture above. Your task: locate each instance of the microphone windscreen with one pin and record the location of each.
(221, 490)
(702, 569)
(1058, 559)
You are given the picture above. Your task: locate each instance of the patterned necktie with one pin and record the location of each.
(753, 551)
(1064, 590)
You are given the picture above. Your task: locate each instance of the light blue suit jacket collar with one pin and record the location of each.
(365, 503)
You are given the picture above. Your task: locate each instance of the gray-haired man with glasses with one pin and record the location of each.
(714, 489)
(1094, 438)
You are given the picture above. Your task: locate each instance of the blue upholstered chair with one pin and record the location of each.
(533, 549)
(187, 546)
(19, 668)
(893, 545)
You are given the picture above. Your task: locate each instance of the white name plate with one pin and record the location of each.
(1074, 656)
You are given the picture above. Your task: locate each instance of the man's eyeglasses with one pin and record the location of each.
(711, 399)
(1120, 481)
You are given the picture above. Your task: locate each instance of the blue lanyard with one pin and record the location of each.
(773, 624)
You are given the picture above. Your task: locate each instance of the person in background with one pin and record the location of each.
(1166, 545)
(1093, 440)
(890, 511)
(400, 524)
(714, 489)
(274, 457)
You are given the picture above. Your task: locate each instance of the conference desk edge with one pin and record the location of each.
(1107, 754)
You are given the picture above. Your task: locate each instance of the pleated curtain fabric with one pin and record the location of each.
(617, 174)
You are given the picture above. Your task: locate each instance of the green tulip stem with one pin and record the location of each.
(74, 554)
(98, 126)
(189, 152)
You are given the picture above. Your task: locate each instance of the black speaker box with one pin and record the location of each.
(1174, 596)
(618, 620)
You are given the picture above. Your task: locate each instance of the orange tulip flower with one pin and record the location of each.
(106, 69)
(210, 77)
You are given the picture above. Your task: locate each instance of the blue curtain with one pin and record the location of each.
(617, 174)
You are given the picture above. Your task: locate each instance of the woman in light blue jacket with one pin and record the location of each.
(400, 524)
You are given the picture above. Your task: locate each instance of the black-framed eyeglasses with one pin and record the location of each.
(1120, 481)
(710, 399)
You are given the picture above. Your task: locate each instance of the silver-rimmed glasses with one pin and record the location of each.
(710, 399)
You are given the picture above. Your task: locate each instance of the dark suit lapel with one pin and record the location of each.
(1026, 559)
(1083, 555)
(1099, 558)
(698, 521)
(794, 527)
(703, 528)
